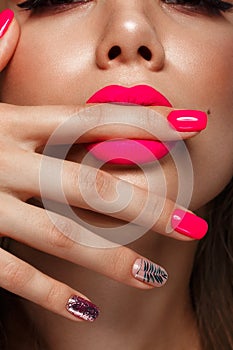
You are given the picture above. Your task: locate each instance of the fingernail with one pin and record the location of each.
(148, 272)
(82, 308)
(188, 120)
(6, 18)
(189, 224)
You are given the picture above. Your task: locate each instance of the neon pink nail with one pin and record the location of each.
(188, 120)
(6, 18)
(189, 224)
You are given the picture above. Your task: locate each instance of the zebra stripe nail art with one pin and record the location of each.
(148, 272)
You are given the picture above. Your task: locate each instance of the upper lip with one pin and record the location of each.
(143, 95)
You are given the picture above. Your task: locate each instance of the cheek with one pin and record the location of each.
(203, 79)
(211, 154)
(202, 67)
(50, 65)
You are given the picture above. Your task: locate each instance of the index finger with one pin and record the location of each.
(85, 124)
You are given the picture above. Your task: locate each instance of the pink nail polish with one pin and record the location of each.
(148, 272)
(189, 224)
(188, 120)
(82, 308)
(6, 18)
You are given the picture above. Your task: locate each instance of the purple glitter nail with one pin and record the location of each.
(82, 308)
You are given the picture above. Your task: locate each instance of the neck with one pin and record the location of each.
(133, 319)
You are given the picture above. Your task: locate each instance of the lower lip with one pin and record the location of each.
(129, 152)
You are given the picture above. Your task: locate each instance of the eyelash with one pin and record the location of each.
(36, 4)
(209, 7)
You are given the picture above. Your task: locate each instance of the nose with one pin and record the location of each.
(129, 38)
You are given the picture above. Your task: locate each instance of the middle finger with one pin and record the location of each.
(86, 187)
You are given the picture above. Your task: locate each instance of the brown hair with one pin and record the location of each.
(211, 284)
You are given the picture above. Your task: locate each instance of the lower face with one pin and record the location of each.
(58, 51)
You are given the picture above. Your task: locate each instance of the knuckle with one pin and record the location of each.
(92, 182)
(102, 184)
(16, 276)
(155, 210)
(119, 262)
(55, 292)
(87, 180)
(59, 233)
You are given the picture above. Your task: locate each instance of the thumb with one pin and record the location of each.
(9, 35)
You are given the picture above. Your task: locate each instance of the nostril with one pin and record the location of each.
(114, 52)
(145, 53)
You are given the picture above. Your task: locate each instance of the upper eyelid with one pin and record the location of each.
(215, 4)
(218, 5)
(30, 3)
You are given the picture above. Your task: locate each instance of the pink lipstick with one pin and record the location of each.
(129, 151)
(139, 95)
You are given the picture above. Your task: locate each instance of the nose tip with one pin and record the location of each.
(124, 44)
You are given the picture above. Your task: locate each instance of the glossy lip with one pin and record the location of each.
(129, 151)
(143, 95)
(133, 151)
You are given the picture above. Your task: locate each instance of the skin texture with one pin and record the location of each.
(68, 67)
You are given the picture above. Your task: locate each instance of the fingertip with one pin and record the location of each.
(82, 308)
(9, 35)
(149, 273)
(187, 120)
(188, 224)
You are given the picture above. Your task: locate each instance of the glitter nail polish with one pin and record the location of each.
(82, 308)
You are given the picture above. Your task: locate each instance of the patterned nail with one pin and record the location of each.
(148, 272)
(188, 224)
(82, 308)
(188, 121)
(6, 18)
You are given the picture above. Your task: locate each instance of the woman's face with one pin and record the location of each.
(63, 58)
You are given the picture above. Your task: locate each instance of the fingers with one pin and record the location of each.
(9, 35)
(60, 236)
(86, 187)
(76, 124)
(22, 279)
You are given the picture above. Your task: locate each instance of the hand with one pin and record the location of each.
(25, 130)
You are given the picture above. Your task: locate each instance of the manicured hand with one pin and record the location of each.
(26, 173)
